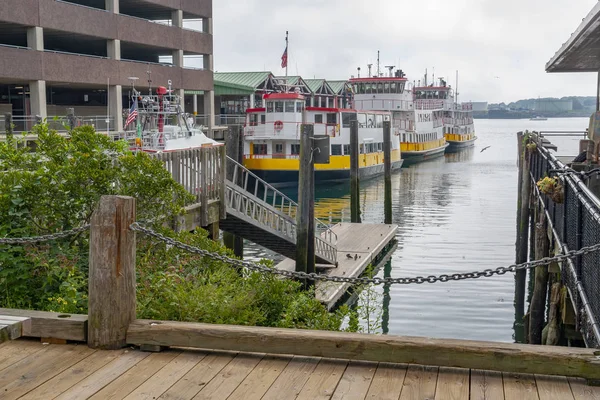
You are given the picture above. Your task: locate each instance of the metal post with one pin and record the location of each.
(234, 141)
(354, 180)
(387, 168)
(71, 118)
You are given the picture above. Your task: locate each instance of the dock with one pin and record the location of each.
(32, 370)
(358, 246)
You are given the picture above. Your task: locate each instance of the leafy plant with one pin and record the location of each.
(57, 186)
(553, 188)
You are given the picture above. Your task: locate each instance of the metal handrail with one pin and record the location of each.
(286, 203)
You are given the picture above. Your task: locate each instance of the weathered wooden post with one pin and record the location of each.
(523, 224)
(8, 125)
(235, 150)
(111, 301)
(354, 179)
(387, 170)
(305, 258)
(538, 300)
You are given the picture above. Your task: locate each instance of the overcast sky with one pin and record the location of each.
(500, 47)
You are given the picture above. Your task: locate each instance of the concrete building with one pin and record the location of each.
(82, 53)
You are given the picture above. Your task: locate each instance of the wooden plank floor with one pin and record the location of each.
(32, 370)
(358, 245)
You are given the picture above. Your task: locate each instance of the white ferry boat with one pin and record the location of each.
(272, 140)
(427, 119)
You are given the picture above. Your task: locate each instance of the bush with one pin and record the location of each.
(57, 186)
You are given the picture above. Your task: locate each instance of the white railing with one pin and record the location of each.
(61, 123)
(429, 104)
(258, 200)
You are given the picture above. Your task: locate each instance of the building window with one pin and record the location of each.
(332, 118)
(346, 118)
(318, 118)
(336, 149)
(260, 149)
(347, 149)
(295, 149)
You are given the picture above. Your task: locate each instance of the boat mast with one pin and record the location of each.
(288, 55)
(378, 63)
(456, 89)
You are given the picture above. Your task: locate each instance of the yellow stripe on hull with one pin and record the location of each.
(430, 145)
(335, 162)
(459, 138)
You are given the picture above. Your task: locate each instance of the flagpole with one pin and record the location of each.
(288, 53)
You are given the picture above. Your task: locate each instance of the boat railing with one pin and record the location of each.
(428, 104)
(248, 181)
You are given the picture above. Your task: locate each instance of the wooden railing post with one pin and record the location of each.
(111, 301)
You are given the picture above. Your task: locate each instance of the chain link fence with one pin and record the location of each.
(576, 222)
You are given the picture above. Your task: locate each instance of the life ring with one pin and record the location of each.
(278, 125)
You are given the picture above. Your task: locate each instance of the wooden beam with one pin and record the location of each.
(111, 304)
(49, 324)
(505, 357)
(11, 327)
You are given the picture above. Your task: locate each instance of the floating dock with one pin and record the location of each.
(358, 245)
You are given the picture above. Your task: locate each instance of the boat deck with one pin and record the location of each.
(32, 370)
(358, 246)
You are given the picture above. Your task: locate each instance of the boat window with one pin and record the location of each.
(362, 120)
(260, 149)
(380, 87)
(379, 146)
(279, 106)
(346, 118)
(361, 88)
(299, 106)
(263, 119)
(289, 106)
(379, 120)
(401, 87)
(347, 149)
(295, 149)
(393, 87)
(362, 148)
(253, 119)
(278, 148)
(270, 107)
(386, 87)
(331, 118)
(318, 118)
(368, 88)
(336, 149)
(386, 117)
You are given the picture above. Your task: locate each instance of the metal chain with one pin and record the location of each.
(365, 280)
(44, 238)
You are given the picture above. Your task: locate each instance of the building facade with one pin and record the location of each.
(87, 54)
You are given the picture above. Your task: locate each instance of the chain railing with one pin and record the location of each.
(44, 238)
(575, 220)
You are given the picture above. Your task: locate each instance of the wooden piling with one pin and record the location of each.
(354, 179)
(538, 300)
(111, 301)
(234, 145)
(387, 168)
(522, 225)
(8, 125)
(305, 256)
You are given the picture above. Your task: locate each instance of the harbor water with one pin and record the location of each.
(455, 214)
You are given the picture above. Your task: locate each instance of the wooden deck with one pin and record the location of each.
(358, 246)
(32, 370)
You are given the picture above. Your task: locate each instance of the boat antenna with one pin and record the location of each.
(370, 66)
(456, 89)
(425, 84)
(148, 72)
(433, 77)
(378, 63)
(287, 53)
(358, 71)
(133, 79)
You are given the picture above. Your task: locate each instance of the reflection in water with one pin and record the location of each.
(455, 214)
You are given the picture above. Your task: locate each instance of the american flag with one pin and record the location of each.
(133, 113)
(284, 58)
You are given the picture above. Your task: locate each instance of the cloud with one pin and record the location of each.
(499, 47)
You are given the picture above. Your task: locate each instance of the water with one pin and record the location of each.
(455, 214)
